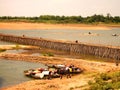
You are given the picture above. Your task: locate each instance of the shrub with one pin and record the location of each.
(105, 76)
(109, 81)
(116, 85)
(50, 54)
(2, 50)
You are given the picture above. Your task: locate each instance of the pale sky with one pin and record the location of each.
(59, 7)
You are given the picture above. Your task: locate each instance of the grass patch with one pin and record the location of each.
(48, 54)
(106, 81)
(2, 50)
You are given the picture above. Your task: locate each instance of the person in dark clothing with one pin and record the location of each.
(76, 41)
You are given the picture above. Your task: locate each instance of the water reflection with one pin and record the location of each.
(1, 81)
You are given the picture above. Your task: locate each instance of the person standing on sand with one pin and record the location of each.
(76, 41)
(61, 72)
(69, 71)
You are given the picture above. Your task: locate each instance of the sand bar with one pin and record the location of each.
(42, 26)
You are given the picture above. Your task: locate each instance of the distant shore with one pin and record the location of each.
(43, 26)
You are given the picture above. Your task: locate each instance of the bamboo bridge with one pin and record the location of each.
(72, 47)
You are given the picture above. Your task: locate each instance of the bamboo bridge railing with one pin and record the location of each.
(73, 47)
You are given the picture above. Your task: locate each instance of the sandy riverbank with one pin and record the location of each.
(42, 26)
(78, 82)
(7, 47)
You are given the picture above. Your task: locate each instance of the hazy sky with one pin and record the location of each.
(59, 7)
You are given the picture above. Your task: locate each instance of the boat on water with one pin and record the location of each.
(115, 35)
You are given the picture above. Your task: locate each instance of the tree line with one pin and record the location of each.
(94, 19)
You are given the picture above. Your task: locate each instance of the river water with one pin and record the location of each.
(103, 37)
(11, 72)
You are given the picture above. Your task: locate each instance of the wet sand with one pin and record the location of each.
(42, 26)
